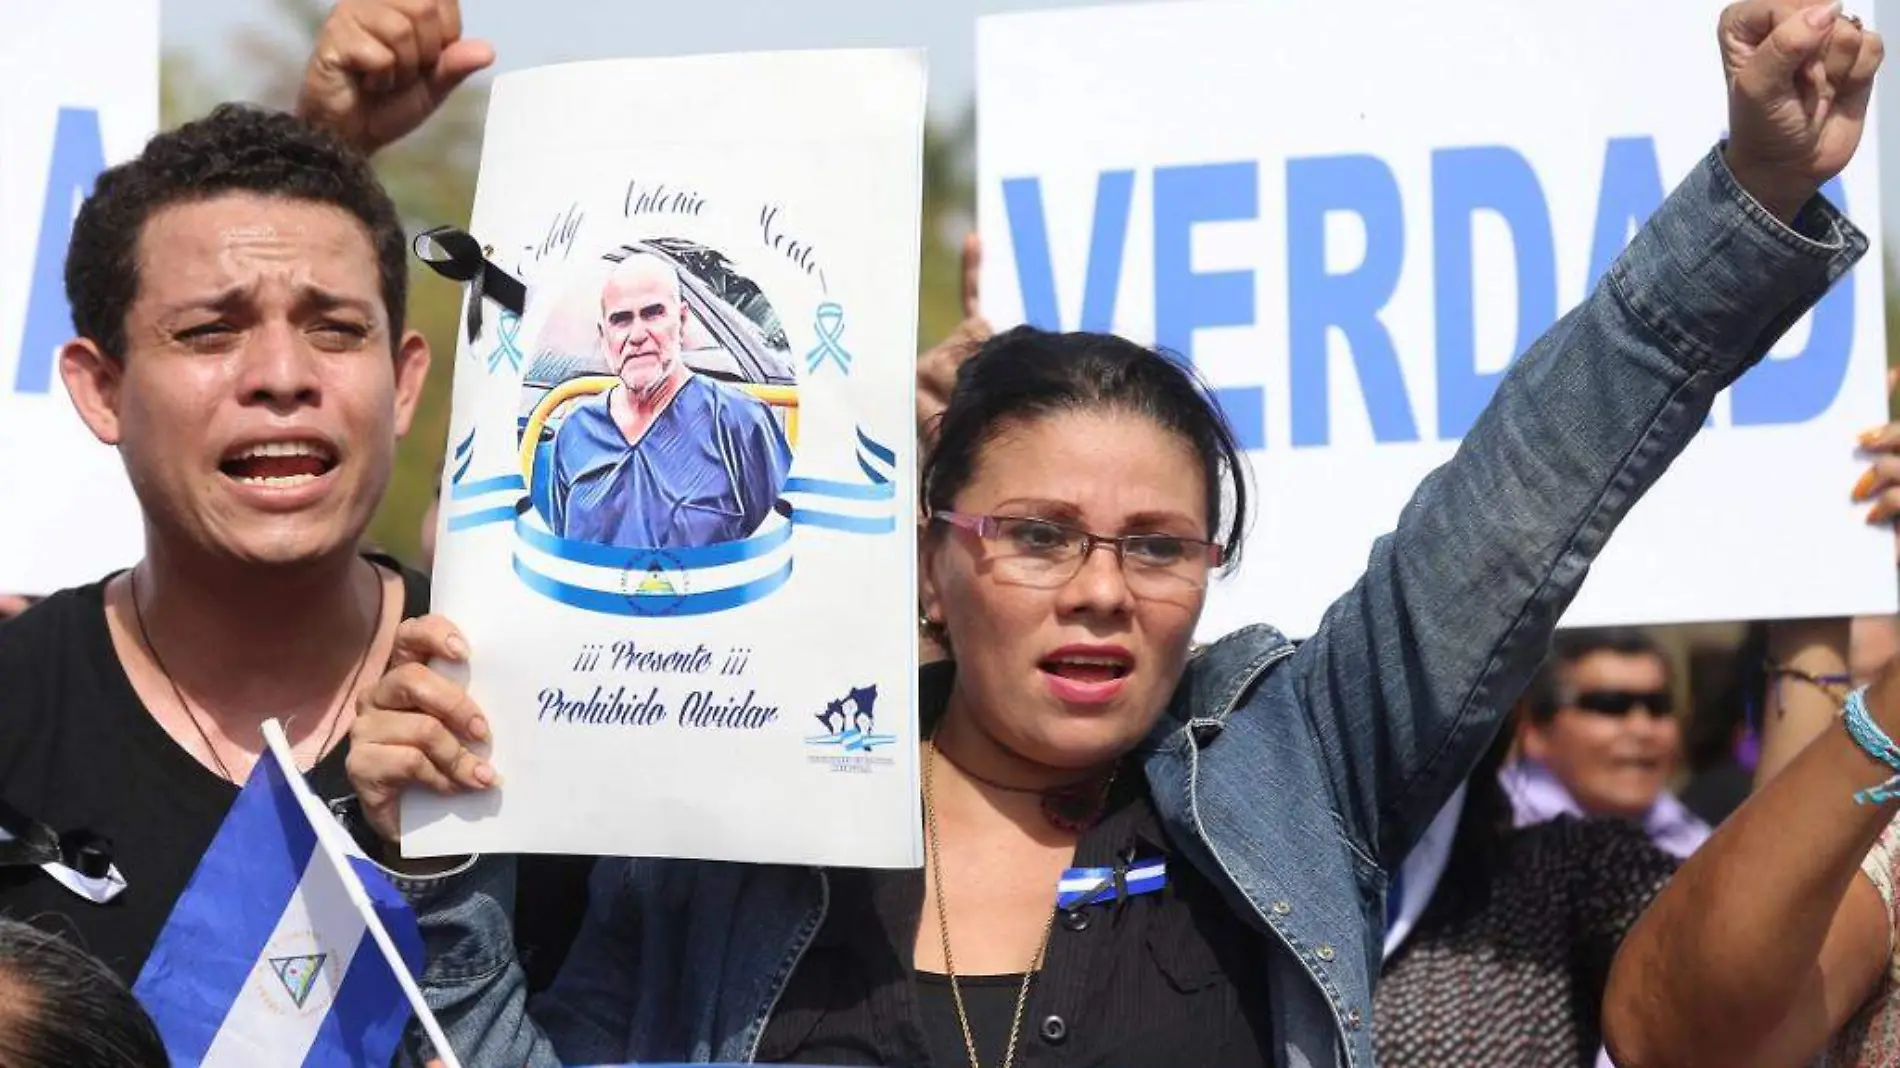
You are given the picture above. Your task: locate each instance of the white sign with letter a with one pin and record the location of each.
(82, 93)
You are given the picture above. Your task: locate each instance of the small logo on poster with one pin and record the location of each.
(851, 733)
(654, 583)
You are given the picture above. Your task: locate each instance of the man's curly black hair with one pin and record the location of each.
(235, 149)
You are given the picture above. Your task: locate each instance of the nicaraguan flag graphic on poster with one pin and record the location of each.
(288, 947)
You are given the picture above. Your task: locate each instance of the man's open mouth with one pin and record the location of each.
(279, 463)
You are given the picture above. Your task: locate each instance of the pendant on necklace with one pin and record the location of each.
(1074, 809)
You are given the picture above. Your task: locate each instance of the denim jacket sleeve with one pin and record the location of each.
(1410, 672)
(470, 977)
(478, 991)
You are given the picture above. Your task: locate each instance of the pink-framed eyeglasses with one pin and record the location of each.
(1044, 553)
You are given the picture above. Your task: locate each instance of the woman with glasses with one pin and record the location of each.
(1137, 851)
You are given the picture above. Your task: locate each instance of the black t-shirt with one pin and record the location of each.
(80, 752)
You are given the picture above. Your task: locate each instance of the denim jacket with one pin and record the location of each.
(1293, 778)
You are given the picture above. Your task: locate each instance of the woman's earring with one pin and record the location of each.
(932, 629)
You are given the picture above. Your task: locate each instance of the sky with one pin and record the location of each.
(530, 33)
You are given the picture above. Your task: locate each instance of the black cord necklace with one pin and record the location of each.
(336, 714)
(1072, 807)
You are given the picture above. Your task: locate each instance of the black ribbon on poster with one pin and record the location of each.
(456, 255)
(28, 843)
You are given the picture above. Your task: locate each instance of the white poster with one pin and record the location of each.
(1351, 216)
(677, 527)
(78, 99)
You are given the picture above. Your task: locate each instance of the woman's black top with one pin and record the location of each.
(1172, 976)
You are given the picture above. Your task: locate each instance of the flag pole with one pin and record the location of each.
(443, 1051)
(336, 844)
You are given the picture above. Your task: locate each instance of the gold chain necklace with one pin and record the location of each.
(943, 930)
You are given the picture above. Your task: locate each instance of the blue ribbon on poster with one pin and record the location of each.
(828, 322)
(702, 580)
(507, 345)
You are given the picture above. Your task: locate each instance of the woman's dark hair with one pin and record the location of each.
(1751, 681)
(1478, 846)
(61, 1008)
(1026, 373)
(1728, 703)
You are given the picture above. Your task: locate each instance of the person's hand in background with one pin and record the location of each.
(381, 67)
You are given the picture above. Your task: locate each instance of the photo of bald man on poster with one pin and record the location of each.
(664, 455)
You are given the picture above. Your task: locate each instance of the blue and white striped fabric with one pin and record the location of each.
(701, 580)
(285, 947)
(653, 582)
(484, 501)
(1097, 885)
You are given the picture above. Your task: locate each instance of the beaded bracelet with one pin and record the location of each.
(1825, 683)
(1874, 742)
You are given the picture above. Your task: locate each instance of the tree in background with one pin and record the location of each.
(431, 176)
(949, 214)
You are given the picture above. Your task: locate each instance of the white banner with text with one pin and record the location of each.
(1350, 217)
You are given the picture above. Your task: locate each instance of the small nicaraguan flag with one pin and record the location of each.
(288, 946)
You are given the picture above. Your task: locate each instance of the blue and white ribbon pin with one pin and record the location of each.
(1096, 886)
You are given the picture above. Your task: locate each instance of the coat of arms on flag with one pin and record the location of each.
(299, 974)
